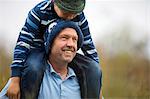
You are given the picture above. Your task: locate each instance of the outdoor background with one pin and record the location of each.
(120, 30)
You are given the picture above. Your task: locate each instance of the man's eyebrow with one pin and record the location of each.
(63, 35)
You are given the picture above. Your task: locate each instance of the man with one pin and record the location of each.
(64, 71)
(59, 79)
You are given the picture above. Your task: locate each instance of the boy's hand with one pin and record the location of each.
(13, 91)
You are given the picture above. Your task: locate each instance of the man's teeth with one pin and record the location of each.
(68, 51)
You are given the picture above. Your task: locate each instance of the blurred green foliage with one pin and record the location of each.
(5, 61)
(125, 66)
(126, 76)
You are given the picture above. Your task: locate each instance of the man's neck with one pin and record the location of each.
(60, 68)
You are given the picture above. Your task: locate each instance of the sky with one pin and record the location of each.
(104, 16)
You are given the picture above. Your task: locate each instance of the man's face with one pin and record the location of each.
(64, 46)
(64, 15)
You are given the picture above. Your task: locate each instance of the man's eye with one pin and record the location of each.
(75, 39)
(64, 38)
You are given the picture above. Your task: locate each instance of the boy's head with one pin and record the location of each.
(68, 9)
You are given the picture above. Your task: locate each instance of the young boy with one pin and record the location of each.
(31, 35)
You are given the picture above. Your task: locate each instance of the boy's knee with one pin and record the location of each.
(35, 60)
(95, 67)
(34, 65)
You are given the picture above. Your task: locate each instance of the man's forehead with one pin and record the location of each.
(68, 31)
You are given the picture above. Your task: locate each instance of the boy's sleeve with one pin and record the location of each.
(25, 40)
(88, 47)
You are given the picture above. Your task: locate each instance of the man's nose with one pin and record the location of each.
(70, 42)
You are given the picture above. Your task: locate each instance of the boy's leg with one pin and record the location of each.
(32, 74)
(93, 75)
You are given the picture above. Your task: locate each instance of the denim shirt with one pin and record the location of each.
(53, 87)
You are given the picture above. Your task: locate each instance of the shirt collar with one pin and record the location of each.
(70, 74)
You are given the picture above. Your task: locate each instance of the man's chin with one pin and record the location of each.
(68, 59)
